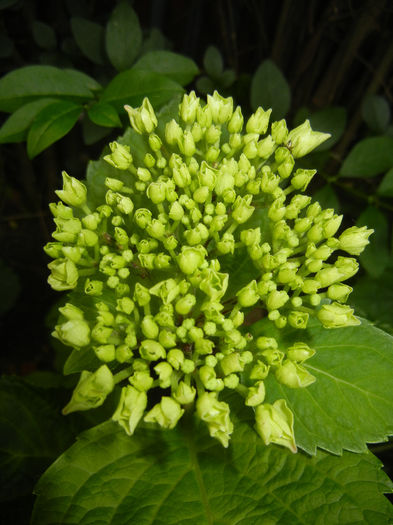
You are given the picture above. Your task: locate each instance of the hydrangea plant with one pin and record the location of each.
(156, 301)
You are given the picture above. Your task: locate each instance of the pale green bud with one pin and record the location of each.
(256, 394)
(164, 372)
(235, 124)
(142, 119)
(216, 414)
(173, 132)
(273, 356)
(167, 339)
(184, 394)
(124, 354)
(264, 343)
(74, 192)
(242, 209)
(149, 161)
(152, 350)
(226, 244)
(185, 304)
(101, 333)
(181, 176)
(279, 131)
(331, 226)
(258, 122)
(231, 381)
(265, 147)
(149, 327)
(188, 108)
(274, 423)
(298, 319)
(75, 332)
(91, 390)
(156, 229)
(328, 276)
(105, 353)
(303, 139)
(285, 162)
(156, 192)
(294, 375)
(175, 358)
(259, 371)
(300, 352)
(248, 295)
(126, 305)
(187, 145)
(276, 299)
(224, 181)
(59, 210)
(339, 292)
(71, 311)
(155, 142)
(120, 157)
(141, 380)
(196, 132)
(302, 179)
(87, 238)
(251, 236)
(130, 410)
(355, 239)
(204, 116)
(190, 258)
(141, 294)
(221, 108)
(347, 266)
(231, 363)
(64, 274)
(166, 413)
(337, 315)
(54, 249)
(201, 194)
(277, 209)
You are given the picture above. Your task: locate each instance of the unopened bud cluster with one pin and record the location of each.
(154, 299)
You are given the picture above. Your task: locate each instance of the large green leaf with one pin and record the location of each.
(329, 120)
(213, 62)
(376, 113)
(132, 86)
(31, 82)
(123, 36)
(104, 114)
(369, 157)
(90, 38)
(376, 256)
(50, 125)
(179, 68)
(269, 89)
(351, 402)
(184, 477)
(327, 197)
(15, 127)
(386, 187)
(32, 435)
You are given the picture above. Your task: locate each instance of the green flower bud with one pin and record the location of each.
(339, 292)
(258, 122)
(191, 258)
(166, 413)
(256, 394)
(59, 210)
(91, 390)
(87, 238)
(298, 319)
(294, 375)
(337, 315)
(126, 305)
(54, 249)
(74, 192)
(167, 338)
(120, 157)
(105, 353)
(187, 145)
(273, 356)
(276, 299)
(231, 363)
(302, 179)
(185, 304)
(331, 226)
(248, 295)
(141, 294)
(264, 343)
(173, 133)
(184, 394)
(274, 423)
(71, 311)
(355, 239)
(141, 380)
(347, 266)
(279, 131)
(221, 108)
(216, 414)
(188, 108)
(204, 116)
(242, 210)
(151, 350)
(164, 372)
(235, 124)
(303, 139)
(300, 352)
(156, 192)
(130, 409)
(142, 119)
(124, 354)
(64, 274)
(259, 371)
(75, 332)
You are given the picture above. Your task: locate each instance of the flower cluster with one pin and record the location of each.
(153, 297)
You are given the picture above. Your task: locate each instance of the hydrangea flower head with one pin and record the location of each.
(157, 300)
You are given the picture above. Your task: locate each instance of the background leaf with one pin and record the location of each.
(327, 197)
(15, 127)
(28, 83)
(376, 255)
(183, 476)
(329, 120)
(376, 113)
(386, 187)
(132, 86)
(123, 36)
(104, 114)
(369, 157)
(269, 89)
(179, 68)
(351, 402)
(213, 62)
(51, 124)
(90, 38)
(44, 35)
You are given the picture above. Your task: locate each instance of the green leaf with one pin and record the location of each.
(50, 125)
(329, 120)
(182, 476)
(123, 36)
(90, 38)
(80, 360)
(31, 82)
(15, 127)
(386, 187)
(351, 402)
(327, 197)
(369, 157)
(104, 114)
(269, 89)
(376, 255)
(212, 62)
(204, 85)
(33, 434)
(92, 133)
(179, 68)
(373, 298)
(44, 35)
(9, 287)
(376, 113)
(132, 86)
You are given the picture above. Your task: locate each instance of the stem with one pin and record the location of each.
(123, 374)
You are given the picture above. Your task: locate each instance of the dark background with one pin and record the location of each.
(331, 52)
